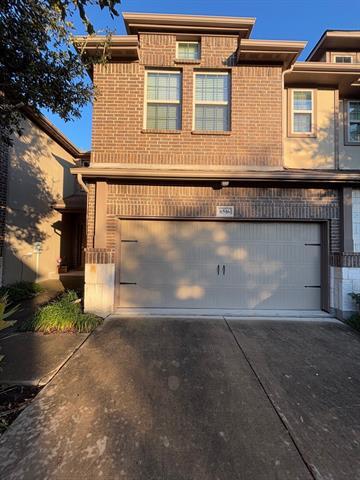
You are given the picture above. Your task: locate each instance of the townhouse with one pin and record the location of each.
(224, 173)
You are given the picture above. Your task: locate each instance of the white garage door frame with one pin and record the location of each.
(324, 235)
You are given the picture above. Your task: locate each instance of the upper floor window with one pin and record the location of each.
(212, 101)
(188, 50)
(343, 59)
(302, 112)
(354, 121)
(163, 100)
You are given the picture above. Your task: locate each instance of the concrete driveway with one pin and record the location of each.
(162, 399)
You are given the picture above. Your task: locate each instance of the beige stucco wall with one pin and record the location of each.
(349, 155)
(313, 152)
(38, 176)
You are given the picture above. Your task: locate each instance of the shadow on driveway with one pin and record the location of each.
(311, 373)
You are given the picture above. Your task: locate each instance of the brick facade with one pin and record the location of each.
(199, 201)
(256, 110)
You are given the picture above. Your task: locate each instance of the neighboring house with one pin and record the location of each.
(224, 174)
(43, 208)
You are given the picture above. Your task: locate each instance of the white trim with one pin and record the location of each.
(293, 111)
(202, 102)
(355, 142)
(165, 102)
(192, 42)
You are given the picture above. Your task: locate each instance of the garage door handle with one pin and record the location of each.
(218, 269)
(223, 269)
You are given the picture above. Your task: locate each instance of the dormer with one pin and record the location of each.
(337, 46)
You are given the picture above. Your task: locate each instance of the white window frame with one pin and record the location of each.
(201, 102)
(293, 112)
(342, 56)
(165, 102)
(188, 59)
(352, 142)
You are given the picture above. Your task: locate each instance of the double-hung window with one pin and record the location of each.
(302, 105)
(343, 58)
(188, 51)
(212, 101)
(163, 100)
(353, 116)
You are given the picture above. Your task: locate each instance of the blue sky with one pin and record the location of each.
(275, 19)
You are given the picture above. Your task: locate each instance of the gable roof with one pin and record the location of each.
(46, 126)
(335, 39)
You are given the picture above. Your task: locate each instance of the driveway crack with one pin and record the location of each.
(262, 386)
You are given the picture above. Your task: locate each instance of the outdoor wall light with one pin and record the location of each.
(225, 183)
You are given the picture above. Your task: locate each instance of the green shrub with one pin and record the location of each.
(17, 292)
(5, 310)
(62, 315)
(354, 321)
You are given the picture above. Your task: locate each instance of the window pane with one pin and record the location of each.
(163, 86)
(343, 59)
(302, 122)
(354, 132)
(212, 117)
(354, 111)
(188, 51)
(303, 100)
(212, 88)
(163, 117)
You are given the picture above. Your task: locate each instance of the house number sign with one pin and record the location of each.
(225, 211)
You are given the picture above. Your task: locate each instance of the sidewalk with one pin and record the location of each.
(28, 358)
(34, 358)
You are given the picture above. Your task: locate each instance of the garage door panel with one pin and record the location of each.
(195, 264)
(148, 273)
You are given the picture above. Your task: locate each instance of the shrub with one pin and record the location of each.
(62, 315)
(354, 320)
(5, 311)
(20, 291)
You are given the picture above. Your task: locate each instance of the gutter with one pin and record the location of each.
(81, 181)
(307, 176)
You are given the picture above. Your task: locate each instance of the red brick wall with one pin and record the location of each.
(118, 118)
(194, 201)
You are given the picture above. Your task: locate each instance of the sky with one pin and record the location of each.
(275, 19)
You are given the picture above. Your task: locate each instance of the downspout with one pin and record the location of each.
(81, 182)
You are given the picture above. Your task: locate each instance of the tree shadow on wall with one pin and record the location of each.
(30, 196)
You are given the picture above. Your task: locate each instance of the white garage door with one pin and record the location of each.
(232, 265)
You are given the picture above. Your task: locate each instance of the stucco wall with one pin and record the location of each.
(38, 176)
(313, 152)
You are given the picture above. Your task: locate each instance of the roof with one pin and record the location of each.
(335, 39)
(119, 46)
(343, 76)
(275, 51)
(155, 22)
(46, 126)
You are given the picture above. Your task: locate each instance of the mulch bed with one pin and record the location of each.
(13, 400)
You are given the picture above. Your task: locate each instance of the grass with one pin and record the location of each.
(62, 315)
(17, 292)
